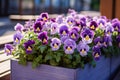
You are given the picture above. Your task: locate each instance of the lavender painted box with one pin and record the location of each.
(102, 71)
(44, 72)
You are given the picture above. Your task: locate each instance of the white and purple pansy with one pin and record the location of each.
(87, 35)
(55, 44)
(83, 48)
(69, 46)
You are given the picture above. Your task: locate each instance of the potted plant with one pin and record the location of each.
(65, 48)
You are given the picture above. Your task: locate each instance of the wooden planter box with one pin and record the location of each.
(103, 70)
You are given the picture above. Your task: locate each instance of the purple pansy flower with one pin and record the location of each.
(69, 46)
(37, 27)
(101, 23)
(44, 16)
(109, 29)
(118, 40)
(87, 35)
(59, 19)
(83, 48)
(17, 37)
(74, 34)
(19, 27)
(96, 52)
(55, 44)
(29, 24)
(116, 26)
(63, 38)
(63, 30)
(115, 20)
(8, 49)
(70, 20)
(93, 25)
(98, 41)
(42, 36)
(106, 41)
(28, 46)
(54, 28)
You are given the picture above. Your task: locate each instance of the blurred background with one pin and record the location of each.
(8, 7)
(14, 11)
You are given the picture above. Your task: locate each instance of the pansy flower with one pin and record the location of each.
(74, 34)
(118, 40)
(101, 23)
(63, 38)
(17, 37)
(19, 27)
(44, 16)
(59, 19)
(37, 27)
(98, 41)
(116, 26)
(63, 30)
(69, 46)
(106, 41)
(55, 44)
(72, 12)
(8, 49)
(54, 28)
(96, 52)
(70, 21)
(87, 35)
(115, 20)
(109, 29)
(83, 48)
(28, 46)
(42, 36)
(93, 25)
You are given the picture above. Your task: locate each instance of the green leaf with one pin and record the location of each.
(52, 62)
(42, 48)
(37, 61)
(48, 57)
(69, 56)
(22, 60)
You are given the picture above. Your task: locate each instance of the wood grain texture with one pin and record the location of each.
(106, 8)
(43, 72)
(117, 9)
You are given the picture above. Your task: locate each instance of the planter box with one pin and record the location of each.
(102, 71)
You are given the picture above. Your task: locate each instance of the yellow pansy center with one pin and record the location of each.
(44, 18)
(105, 44)
(73, 36)
(68, 48)
(29, 48)
(64, 33)
(87, 38)
(97, 55)
(7, 51)
(92, 27)
(38, 29)
(116, 28)
(69, 22)
(101, 24)
(55, 45)
(44, 40)
(109, 32)
(98, 43)
(16, 40)
(82, 51)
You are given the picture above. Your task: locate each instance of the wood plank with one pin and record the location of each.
(4, 67)
(6, 39)
(117, 9)
(106, 8)
(4, 75)
(4, 57)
